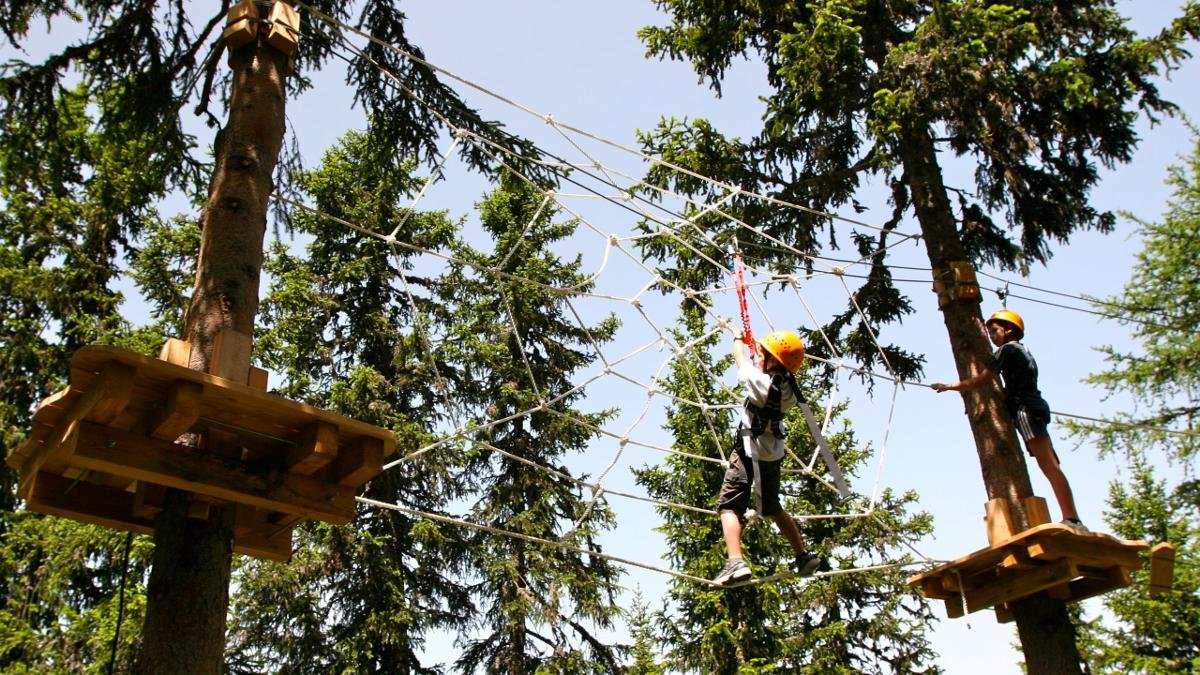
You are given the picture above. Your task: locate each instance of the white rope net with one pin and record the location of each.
(601, 196)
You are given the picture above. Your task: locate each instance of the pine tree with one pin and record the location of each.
(344, 323)
(518, 348)
(64, 228)
(1029, 97)
(1161, 305)
(864, 621)
(98, 131)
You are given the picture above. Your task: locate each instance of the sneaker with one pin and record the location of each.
(806, 564)
(735, 569)
(1075, 524)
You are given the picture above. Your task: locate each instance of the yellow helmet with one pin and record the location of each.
(786, 347)
(1010, 317)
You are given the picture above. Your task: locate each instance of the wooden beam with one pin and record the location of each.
(999, 520)
(257, 379)
(1004, 613)
(148, 499)
(1083, 549)
(1099, 581)
(102, 400)
(316, 448)
(123, 453)
(954, 607)
(1036, 511)
(285, 27)
(359, 463)
(934, 589)
(241, 24)
(1017, 586)
(176, 351)
(231, 356)
(1162, 568)
(276, 546)
(178, 413)
(86, 503)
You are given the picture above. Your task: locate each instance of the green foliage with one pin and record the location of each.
(1029, 97)
(1161, 305)
(858, 622)
(158, 64)
(518, 346)
(1139, 632)
(337, 324)
(75, 195)
(62, 601)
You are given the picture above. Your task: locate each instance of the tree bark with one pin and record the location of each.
(1045, 629)
(188, 593)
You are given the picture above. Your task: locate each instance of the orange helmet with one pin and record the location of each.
(1011, 318)
(786, 347)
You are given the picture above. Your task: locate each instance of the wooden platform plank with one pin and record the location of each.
(1017, 586)
(1096, 550)
(229, 402)
(123, 453)
(1054, 558)
(989, 557)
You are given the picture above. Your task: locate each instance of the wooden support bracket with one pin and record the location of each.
(1162, 568)
(318, 447)
(284, 33)
(104, 398)
(241, 24)
(1019, 586)
(359, 463)
(122, 453)
(954, 282)
(178, 413)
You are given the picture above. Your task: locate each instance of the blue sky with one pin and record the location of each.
(582, 64)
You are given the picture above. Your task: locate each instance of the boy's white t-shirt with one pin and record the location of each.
(757, 384)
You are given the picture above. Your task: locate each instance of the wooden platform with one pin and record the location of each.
(1054, 558)
(105, 449)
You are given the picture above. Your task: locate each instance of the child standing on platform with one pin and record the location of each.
(1030, 412)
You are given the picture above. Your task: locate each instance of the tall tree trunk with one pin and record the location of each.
(188, 594)
(1045, 629)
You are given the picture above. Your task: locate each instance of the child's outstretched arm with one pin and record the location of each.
(740, 357)
(974, 382)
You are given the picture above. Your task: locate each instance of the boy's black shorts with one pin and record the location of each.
(737, 493)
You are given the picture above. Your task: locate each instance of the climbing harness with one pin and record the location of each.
(769, 415)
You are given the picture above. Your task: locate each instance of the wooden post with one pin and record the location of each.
(1162, 568)
(1036, 511)
(999, 521)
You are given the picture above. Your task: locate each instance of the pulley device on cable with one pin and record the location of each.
(835, 471)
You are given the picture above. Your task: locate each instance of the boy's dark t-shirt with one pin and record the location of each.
(1019, 373)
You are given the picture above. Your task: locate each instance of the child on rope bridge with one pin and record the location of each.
(771, 391)
(1031, 414)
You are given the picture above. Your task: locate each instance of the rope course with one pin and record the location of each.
(608, 200)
